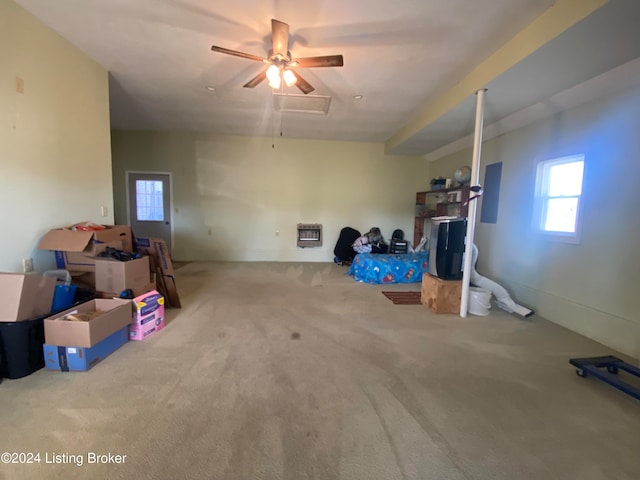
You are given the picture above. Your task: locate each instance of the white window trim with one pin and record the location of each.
(539, 205)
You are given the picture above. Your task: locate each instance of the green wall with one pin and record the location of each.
(231, 194)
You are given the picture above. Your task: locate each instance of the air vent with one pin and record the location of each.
(317, 104)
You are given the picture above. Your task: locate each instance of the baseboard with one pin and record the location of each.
(618, 333)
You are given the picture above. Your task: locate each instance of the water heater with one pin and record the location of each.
(446, 247)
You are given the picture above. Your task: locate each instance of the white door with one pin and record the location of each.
(149, 212)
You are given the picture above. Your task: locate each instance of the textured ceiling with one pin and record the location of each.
(401, 56)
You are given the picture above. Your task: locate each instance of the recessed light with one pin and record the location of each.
(210, 88)
(357, 97)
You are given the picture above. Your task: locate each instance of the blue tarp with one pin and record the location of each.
(389, 268)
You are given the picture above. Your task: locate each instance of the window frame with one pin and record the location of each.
(541, 198)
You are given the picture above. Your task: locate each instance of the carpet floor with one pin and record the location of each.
(295, 371)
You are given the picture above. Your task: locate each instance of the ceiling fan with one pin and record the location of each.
(281, 64)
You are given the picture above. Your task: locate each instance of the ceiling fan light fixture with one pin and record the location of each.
(289, 78)
(273, 72)
(275, 83)
(273, 75)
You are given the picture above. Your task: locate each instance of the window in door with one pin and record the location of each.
(558, 198)
(149, 201)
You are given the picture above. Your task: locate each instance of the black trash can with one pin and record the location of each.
(21, 347)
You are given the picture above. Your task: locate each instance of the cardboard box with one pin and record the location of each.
(76, 250)
(156, 248)
(81, 359)
(144, 331)
(148, 315)
(166, 284)
(137, 291)
(441, 296)
(115, 276)
(84, 279)
(25, 296)
(117, 314)
(161, 264)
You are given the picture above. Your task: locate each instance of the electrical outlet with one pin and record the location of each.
(105, 211)
(27, 265)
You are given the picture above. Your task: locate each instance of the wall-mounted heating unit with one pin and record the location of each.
(309, 235)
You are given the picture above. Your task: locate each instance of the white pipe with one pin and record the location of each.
(503, 298)
(471, 216)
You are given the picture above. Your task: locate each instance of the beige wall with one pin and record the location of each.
(592, 287)
(242, 191)
(55, 157)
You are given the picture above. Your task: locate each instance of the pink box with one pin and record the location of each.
(148, 315)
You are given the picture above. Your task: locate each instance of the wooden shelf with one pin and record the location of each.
(437, 203)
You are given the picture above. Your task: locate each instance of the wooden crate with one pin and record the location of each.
(441, 296)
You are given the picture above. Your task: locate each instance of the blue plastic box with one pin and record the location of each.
(63, 296)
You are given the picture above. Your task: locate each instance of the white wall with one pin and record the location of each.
(243, 191)
(55, 156)
(592, 287)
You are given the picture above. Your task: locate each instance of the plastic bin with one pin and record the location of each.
(479, 301)
(21, 347)
(63, 297)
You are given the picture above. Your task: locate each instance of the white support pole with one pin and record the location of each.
(471, 216)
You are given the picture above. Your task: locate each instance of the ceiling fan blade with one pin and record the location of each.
(325, 61)
(256, 80)
(237, 54)
(280, 38)
(304, 86)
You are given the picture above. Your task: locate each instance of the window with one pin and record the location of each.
(149, 200)
(558, 194)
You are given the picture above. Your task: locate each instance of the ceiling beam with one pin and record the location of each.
(561, 16)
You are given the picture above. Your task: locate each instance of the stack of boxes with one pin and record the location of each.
(76, 250)
(82, 336)
(79, 337)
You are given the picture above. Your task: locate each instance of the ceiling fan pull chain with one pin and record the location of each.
(273, 127)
